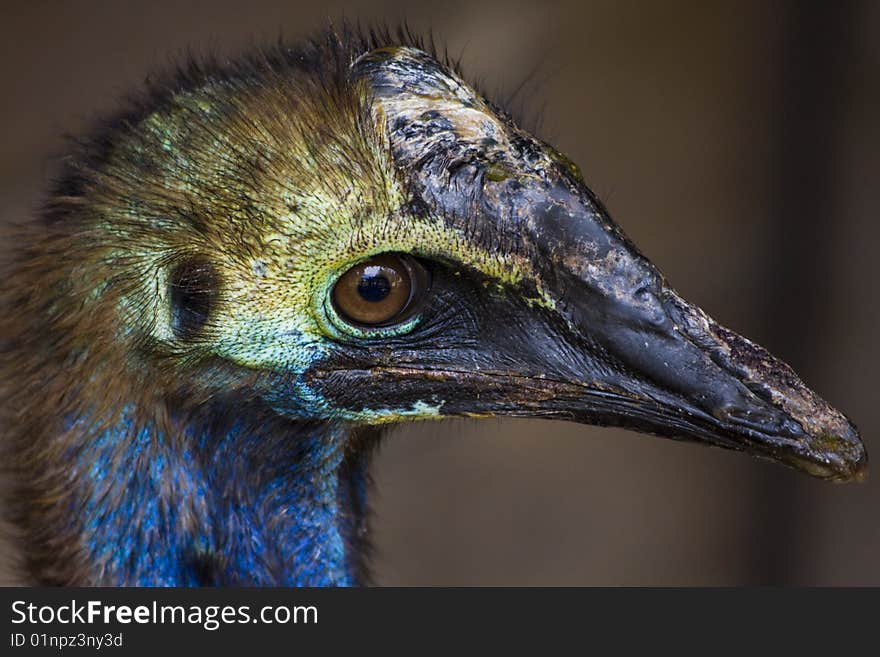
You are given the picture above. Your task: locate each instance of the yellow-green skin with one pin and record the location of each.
(302, 180)
(152, 454)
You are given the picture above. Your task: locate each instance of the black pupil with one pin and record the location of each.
(373, 287)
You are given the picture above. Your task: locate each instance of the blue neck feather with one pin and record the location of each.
(237, 506)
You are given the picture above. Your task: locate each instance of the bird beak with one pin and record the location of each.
(603, 339)
(655, 362)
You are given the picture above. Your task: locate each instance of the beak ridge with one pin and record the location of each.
(671, 350)
(629, 350)
(824, 442)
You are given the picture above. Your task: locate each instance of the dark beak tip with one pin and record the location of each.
(857, 472)
(860, 473)
(844, 458)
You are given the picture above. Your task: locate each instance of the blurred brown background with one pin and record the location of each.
(737, 144)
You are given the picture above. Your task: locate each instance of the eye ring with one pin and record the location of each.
(380, 294)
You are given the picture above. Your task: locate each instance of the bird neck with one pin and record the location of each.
(262, 502)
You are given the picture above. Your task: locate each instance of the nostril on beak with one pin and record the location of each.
(653, 310)
(765, 420)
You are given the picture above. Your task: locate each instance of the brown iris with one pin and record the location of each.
(381, 291)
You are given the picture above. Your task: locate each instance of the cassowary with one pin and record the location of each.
(238, 281)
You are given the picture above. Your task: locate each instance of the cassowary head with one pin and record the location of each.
(240, 275)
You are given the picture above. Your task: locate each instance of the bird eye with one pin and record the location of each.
(381, 291)
(192, 289)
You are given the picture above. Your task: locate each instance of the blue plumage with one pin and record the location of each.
(239, 280)
(218, 508)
